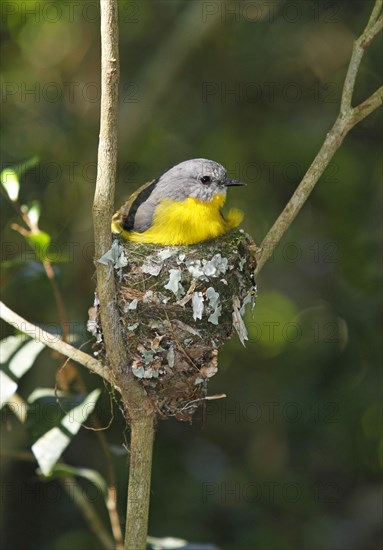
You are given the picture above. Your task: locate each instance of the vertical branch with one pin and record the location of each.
(137, 512)
(107, 148)
(136, 404)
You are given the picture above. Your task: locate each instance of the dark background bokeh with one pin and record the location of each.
(291, 458)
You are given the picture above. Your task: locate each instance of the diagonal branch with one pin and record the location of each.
(375, 12)
(368, 106)
(348, 117)
(54, 342)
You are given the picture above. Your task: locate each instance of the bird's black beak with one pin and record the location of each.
(232, 183)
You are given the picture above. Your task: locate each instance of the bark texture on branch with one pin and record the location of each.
(54, 342)
(136, 405)
(348, 117)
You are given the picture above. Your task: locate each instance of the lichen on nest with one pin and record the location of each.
(178, 305)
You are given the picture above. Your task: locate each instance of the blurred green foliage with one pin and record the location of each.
(291, 458)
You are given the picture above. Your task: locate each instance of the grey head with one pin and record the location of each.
(199, 178)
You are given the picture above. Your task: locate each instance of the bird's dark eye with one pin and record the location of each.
(205, 179)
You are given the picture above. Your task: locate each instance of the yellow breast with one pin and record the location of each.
(187, 222)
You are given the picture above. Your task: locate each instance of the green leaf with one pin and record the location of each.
(49, 447)
(10, 182)
(34, 211)
(18, 353)
(64, 470)
(46, 409)
(10, 177)
(40, 243)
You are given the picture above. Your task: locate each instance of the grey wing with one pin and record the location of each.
(144, 215)
(137, 213)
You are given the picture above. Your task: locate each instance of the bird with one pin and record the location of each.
(181, 207)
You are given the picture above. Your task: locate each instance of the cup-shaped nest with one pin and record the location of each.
(178, 305)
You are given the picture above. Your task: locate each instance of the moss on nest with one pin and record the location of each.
(178, 305)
